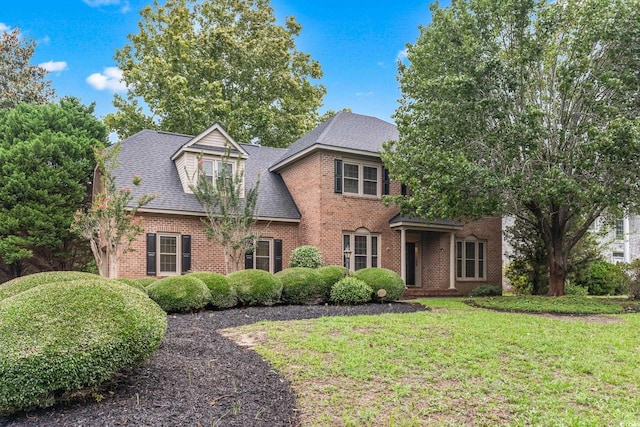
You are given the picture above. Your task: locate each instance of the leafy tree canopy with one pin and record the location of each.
(46, 165)
(528, 108)
(20, 81)
(196, 63)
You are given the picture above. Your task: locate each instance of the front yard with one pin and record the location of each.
(457, 365)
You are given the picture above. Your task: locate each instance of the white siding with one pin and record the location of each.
(214, 139)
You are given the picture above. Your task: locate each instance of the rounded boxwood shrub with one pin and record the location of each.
(133, 283)
(23, 283)
(351, 290)
(486, 291)
(329, 275)
(382, 278)
(300, 285)
(222, 294)
(256, 287)
(180, 293)
(61, 340)
(306, 256)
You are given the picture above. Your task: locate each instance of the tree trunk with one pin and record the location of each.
(557, 261)
(113, 265)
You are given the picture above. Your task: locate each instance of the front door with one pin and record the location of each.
(410, 249)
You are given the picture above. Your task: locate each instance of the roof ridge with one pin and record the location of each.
(326, 129)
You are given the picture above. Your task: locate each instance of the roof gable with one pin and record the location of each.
(214, 140)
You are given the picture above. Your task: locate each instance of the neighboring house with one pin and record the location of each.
(324, 190)
(620, 242)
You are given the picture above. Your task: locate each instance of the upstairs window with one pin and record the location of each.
(619, 229)
(216, 168)
(357, 178)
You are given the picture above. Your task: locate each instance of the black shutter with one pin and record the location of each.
(151, 254)
(403, 190)
(277, 255)
(186, 253)
(248, 260)
(385, 181)
(337, 187)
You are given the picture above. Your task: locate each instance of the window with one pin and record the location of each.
(263, 255)
(266, 255)
(620, 229)
(221, 168)
(360, 179)
(364, 250)
(168, 254)
(471, 259)
(618, 255)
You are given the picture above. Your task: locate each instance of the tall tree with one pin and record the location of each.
(527, 108)
(46, 166)
(230, 210)
(196, 63)
(19, 80)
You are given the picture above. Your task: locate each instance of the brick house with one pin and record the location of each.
(324, 190)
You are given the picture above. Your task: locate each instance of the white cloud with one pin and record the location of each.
(110, 79)
(54, 66)
(124, 6)
(4, 27)
(364, 93)
(380, 64)
(402, 55)
(45, 40)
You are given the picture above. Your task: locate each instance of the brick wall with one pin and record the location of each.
(205, 254)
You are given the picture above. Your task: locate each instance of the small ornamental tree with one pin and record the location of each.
(230, 211)
(110, 224)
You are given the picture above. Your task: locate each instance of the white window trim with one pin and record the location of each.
(461, 276)
(361, 179)
(215, 167)
(352, 257)
(178, 255)
(271, 254)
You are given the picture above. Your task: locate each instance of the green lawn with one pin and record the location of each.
(458, 365)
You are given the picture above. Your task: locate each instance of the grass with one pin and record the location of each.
(541, 304)
(458, 365)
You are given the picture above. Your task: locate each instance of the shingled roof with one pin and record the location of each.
(344, 131)
(148, 154)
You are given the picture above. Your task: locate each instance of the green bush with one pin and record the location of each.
(180, 294)
(301, 285)
(604, 278)
(256, 287)
(146, 281)
(351, 290)
(382, 278)
(222, 294)
(61, 340)
(21, 284)
(486, 291)
(576, 290)
(633, 276)
(133, 283)
(306, 256)
(330, 275)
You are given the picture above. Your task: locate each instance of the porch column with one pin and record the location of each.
(403, 254)
(452, 260)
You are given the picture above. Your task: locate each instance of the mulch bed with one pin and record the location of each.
(199, 378)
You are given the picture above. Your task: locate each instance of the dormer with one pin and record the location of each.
(210, 146)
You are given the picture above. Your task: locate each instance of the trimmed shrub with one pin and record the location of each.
(180, 294)
(21, 284)
(306, 256)
(222, 294)
(256, 287)
(61, 340)
(486, 291)
(330, 275)
(134, 284)
(351, 290)
(300, 285)
(146, 281)
(382, 278)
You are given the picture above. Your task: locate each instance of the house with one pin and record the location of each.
(324, 190)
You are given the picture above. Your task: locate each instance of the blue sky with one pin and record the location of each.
(357, 43)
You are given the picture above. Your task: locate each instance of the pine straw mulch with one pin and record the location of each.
(198, 377)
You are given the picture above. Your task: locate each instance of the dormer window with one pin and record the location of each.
(216, 168)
